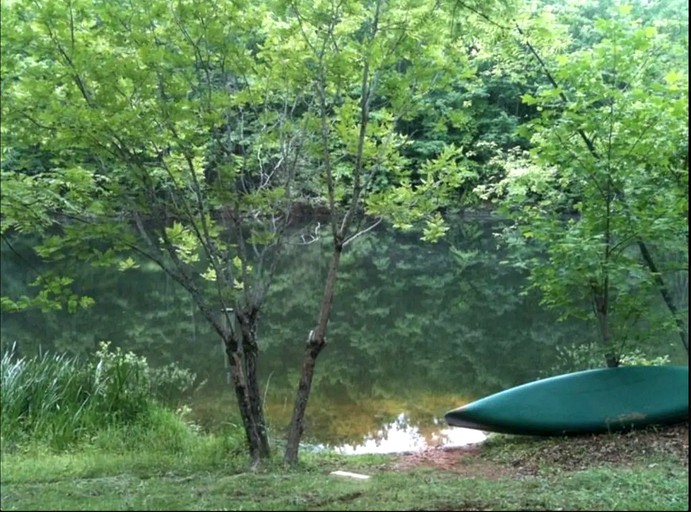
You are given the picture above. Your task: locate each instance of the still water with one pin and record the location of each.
(399, 436)
(416, 330)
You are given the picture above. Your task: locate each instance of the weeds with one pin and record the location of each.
(61, 400)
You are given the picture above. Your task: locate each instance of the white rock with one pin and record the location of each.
(348, 474)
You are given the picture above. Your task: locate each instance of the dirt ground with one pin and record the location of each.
(572, 453)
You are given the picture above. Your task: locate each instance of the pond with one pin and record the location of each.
(417, 329)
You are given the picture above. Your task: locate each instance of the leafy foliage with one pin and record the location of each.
(62, 400)
(605, 173)
(187, 135)
(55, 398)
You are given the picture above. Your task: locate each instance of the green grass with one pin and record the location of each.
(62, 400)
(67, 445)
(211, 473)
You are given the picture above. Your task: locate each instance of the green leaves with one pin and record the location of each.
(435, 228)
(54, 293)
(599, 170)
(127, 264)
(184, 241)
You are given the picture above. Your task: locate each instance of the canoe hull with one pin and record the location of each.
(591, 401)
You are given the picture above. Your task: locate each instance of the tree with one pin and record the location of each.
(369, 64)
(169, 138)
(185, 133)
(607, 175)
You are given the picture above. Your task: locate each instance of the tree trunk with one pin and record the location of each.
(316, 341)
(240, 346)
(251, 352)
(666, 295)
(601, 310)
(242, 358)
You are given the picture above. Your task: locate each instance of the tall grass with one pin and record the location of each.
(61, 400)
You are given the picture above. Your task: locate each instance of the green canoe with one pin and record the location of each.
(591, 401)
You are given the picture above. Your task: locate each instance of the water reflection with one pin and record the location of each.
(400, 436)
(416, 330)
(372, 425)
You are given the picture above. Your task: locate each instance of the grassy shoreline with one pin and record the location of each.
(639, 471)
(98, 435)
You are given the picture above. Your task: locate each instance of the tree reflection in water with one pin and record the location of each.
(399, 436)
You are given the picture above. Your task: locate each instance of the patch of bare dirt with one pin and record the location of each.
(520, 456)
(466, 459)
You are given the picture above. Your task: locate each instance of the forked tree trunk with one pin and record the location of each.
(316, 342)
(241, 351)
(251, 355)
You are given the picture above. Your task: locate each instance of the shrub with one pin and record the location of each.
(171, 383)
(59, 399)
(121, 384)
(591, 355)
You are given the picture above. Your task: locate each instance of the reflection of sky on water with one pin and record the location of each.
(399, 436)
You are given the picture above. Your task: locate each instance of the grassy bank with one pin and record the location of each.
(89, 436)
(211, 473)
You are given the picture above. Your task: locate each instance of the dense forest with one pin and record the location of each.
(215, 144)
